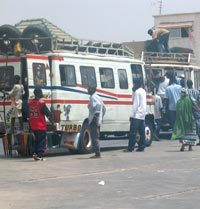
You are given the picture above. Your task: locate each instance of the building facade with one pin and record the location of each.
(184, 34)
(184, 31)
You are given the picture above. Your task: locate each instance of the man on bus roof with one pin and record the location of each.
(162, 36)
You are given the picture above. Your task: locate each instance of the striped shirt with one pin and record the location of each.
(194, 94)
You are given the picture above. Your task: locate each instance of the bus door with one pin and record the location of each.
(137, 72)
(38, 74)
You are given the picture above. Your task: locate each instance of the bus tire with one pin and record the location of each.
(85, 141)
(148, 133)
(32, 32)
(8, 32)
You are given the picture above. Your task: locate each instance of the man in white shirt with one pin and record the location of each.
(97, 110)
(137, 119)
(164, 83)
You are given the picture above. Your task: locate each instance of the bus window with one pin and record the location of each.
(88, 77)
(107, 77)
(136, 71)
(67, 75)
(6, 77)
(39, 74)
(123, 81)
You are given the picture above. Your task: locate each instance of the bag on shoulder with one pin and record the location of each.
(195, 109)
(2, 126)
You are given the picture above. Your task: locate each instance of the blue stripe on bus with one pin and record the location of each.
(71, 90)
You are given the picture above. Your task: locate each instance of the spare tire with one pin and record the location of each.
(37, 38)
(10, 33)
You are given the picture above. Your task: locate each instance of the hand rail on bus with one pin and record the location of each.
(167, 58)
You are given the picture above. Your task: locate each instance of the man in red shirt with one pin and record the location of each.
(37, 112)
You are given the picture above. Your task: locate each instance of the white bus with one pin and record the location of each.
(64, 73)
(64, 77)
(182, 64)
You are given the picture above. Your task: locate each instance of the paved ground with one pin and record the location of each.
(161, 177)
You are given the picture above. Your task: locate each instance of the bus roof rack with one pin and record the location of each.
(93, 47)
(77, 46)
(167, 58)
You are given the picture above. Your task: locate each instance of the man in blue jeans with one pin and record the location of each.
(162, 36)
(172, 95)
(137, 124)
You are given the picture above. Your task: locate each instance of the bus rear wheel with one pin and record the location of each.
(148, 133)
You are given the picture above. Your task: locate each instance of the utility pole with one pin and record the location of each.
(160, 6)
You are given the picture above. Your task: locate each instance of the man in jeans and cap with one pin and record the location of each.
(162, 36)
(97, 110)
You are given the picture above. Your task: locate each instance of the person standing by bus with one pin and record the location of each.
(184, 122)
(137, 119)
(97, 111)
(15, 95)
(164, 83)
(157, 116)
(172, 95)
(37, 112)
(195, 97)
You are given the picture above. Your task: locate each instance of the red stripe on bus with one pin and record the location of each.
(4, 60)
(115, 95)
(118, 102)
(5, 103)
(67, 101)
(107, 92)
(149, 96)
(86, 102)
(37, 57)
(58, 58)
(150, 103)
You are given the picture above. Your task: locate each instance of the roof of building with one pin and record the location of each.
(55, 31)
(177, 14)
